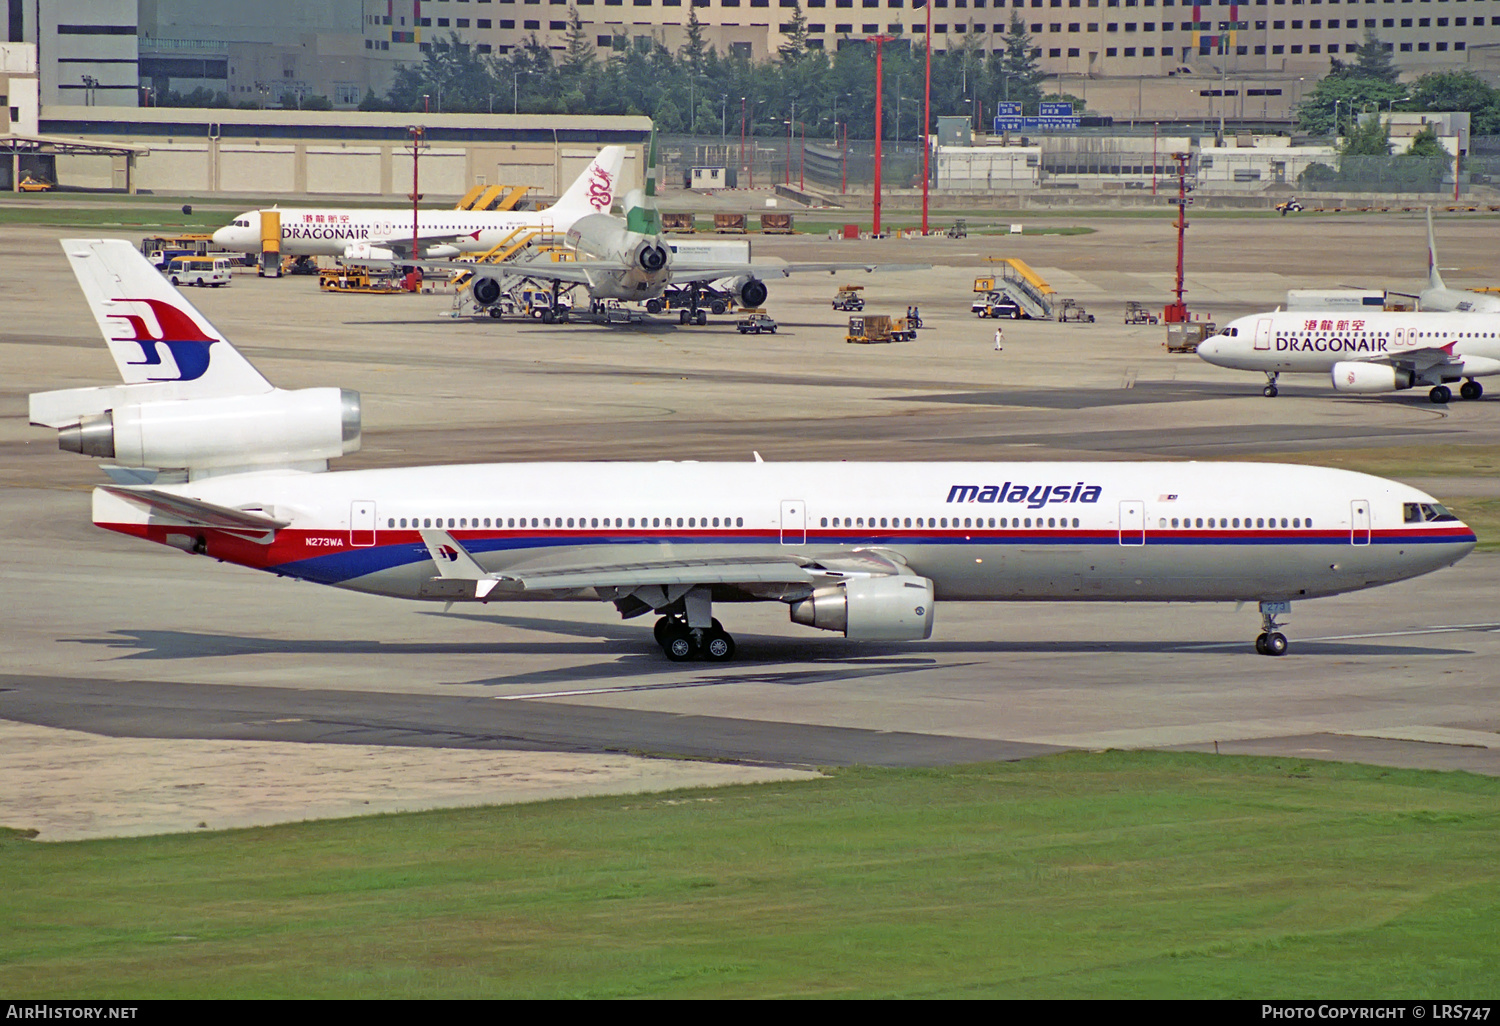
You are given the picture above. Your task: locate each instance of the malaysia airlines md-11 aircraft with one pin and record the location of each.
(210, 458)
(1364, 352)
(386, 234)
(1438, 297)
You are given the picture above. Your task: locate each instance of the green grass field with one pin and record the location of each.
(1080, 875)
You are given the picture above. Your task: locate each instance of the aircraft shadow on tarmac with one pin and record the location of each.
(630, 652)
(1145, 392)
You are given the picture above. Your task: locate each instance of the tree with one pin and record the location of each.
(580, 57)
(795, 48)
(1425, 144)
(1373, 60)
(695, 51)
(1458, 91)
(1367, 137)
(1343, 95)
(1020, 78)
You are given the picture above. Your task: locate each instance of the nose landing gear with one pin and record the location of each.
(1271, 641)
(1270, 391)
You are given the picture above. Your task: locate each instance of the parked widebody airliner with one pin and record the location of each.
(208, 457)
(631, 259)
(386, 234)
(1364, 352)
(1438, 297)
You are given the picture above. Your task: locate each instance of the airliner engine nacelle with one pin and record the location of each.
(651, 256)
(749, 291)
(228, 431)
(366, 251)
(486, 291)
(871, 609)
(1369, 377)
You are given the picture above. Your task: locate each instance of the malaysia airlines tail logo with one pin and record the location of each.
(181, 336)
(448, 552)
(601, 189)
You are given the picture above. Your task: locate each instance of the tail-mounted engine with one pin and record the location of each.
(271, 428)
(651, 257)
(871, 609)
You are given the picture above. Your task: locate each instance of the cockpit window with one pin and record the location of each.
(1425, 512)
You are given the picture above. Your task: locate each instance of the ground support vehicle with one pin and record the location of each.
(758, 321)
(30, 184)
(848, 298)
(960, 230)
(1135, 313)
(710, 301)
(358, 279)
(997, 304)
(1291, 206)
(871, 328)
(196, 270)
(1185, 336)
(1069, 310)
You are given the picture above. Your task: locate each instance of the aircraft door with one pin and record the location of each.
(1133, 523)
(362, 523)
(1359, 520)
(1263, 334)
(793, 522)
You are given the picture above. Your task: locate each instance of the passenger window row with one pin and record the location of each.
(471, 523)
(1222, 522)
(971, 522)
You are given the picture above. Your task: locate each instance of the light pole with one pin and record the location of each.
(927, 113)
(879, 42)
(515, 90)
(899, 100)
(1336, 119)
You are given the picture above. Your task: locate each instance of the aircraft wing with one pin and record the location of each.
(396, 239)
(685, 272)
(642, 583)
(1422, 361)
(196, 512)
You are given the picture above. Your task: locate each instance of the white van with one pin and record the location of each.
(196, 270)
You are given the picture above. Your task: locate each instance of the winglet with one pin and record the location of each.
(454, 562)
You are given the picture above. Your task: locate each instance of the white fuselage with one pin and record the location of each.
(979, 531)
(1310, 342)
(330, 231)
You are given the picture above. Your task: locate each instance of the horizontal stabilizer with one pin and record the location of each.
(195, 512)
(456, 565)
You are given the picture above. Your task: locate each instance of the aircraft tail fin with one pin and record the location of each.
(1434, 279)
(641, 213)
(154, 334)
(593, 192)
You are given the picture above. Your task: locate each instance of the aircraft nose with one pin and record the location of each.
(1211, 349)
(224, 236)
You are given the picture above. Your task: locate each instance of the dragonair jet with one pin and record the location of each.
(631, 259)
(1439, 297)
(386, 234)
(1365, 352)
(206, 456)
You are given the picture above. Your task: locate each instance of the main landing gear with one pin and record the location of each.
(1470, 389)
(1271, 641)
(681, 642)
(1270, 391)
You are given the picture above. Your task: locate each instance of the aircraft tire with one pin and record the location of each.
(1270, 392)
(718, 647)
(1440, 394)
(1275, 644)
(682, 316)
(700, 318)
(1471, 390)
(496, 312)
(679, 645)
(1260, 644)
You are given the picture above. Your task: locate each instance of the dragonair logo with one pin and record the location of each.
(601, 189)
(1034, 496)
(180, 335)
